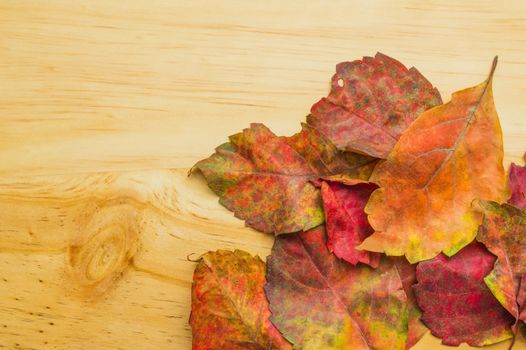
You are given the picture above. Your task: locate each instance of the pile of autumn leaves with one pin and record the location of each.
(381, 166)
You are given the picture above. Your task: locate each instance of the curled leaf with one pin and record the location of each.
(229, 308)
(266, 180)
(371, 102)
(346, 222)
(321, 302)
(449, 156)
(456, 303)
(503, 232)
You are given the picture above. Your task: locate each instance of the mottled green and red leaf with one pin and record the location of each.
(266, 180)
(229, 307)
(321, 302)
(407, 272)
(503, 232)
(371, 102)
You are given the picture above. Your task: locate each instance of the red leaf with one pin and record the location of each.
(346, 222)
(521, 299)
(371, 103)
(229, 308)
(321, 302)
(266, 180)
(517, 182)
(456, 303)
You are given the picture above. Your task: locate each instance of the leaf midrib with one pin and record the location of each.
(462, 134)
(248, 329)
(335, 294)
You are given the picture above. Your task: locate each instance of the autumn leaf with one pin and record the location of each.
(449, 156)
(503, 232)
(346, 222)
(371, 102)
(229, 307)
(325, 159)
(457, 305)
(266, 180)
(407, 272)
(517, 183)
(321, 302)
(521, 298)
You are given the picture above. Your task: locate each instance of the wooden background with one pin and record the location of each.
(105, 105)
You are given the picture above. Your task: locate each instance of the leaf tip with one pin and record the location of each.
(493, 66)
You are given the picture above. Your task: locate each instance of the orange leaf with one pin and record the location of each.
(449, 156)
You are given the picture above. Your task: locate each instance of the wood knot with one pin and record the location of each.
(103, 249)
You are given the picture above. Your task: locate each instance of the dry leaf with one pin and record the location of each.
(503, 232)
(457, 305)
(521, 298)
(266, 180)
(407, 272)
(229, 307)
(371, 102)
(517, 182)
(325, 159)
(321, 302)
(449, 156)
(346, 222)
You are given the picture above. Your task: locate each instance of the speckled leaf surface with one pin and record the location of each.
(521, 299)
(371, 102)
(503, 232)
(416, 329)
(321, 302)
(346, 222)
(517, 183)
(457, 305)
(229, 307)
(449, 156)
(325, 159)
(266, 180)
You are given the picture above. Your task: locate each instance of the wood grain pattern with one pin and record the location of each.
(105, 105)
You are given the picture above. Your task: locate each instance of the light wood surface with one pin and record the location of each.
(105, 105)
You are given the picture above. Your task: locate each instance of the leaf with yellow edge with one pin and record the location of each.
(266, 180)
(503, 232)
(321, 302)
(229, 307)
(456, 304)
(449, 156)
